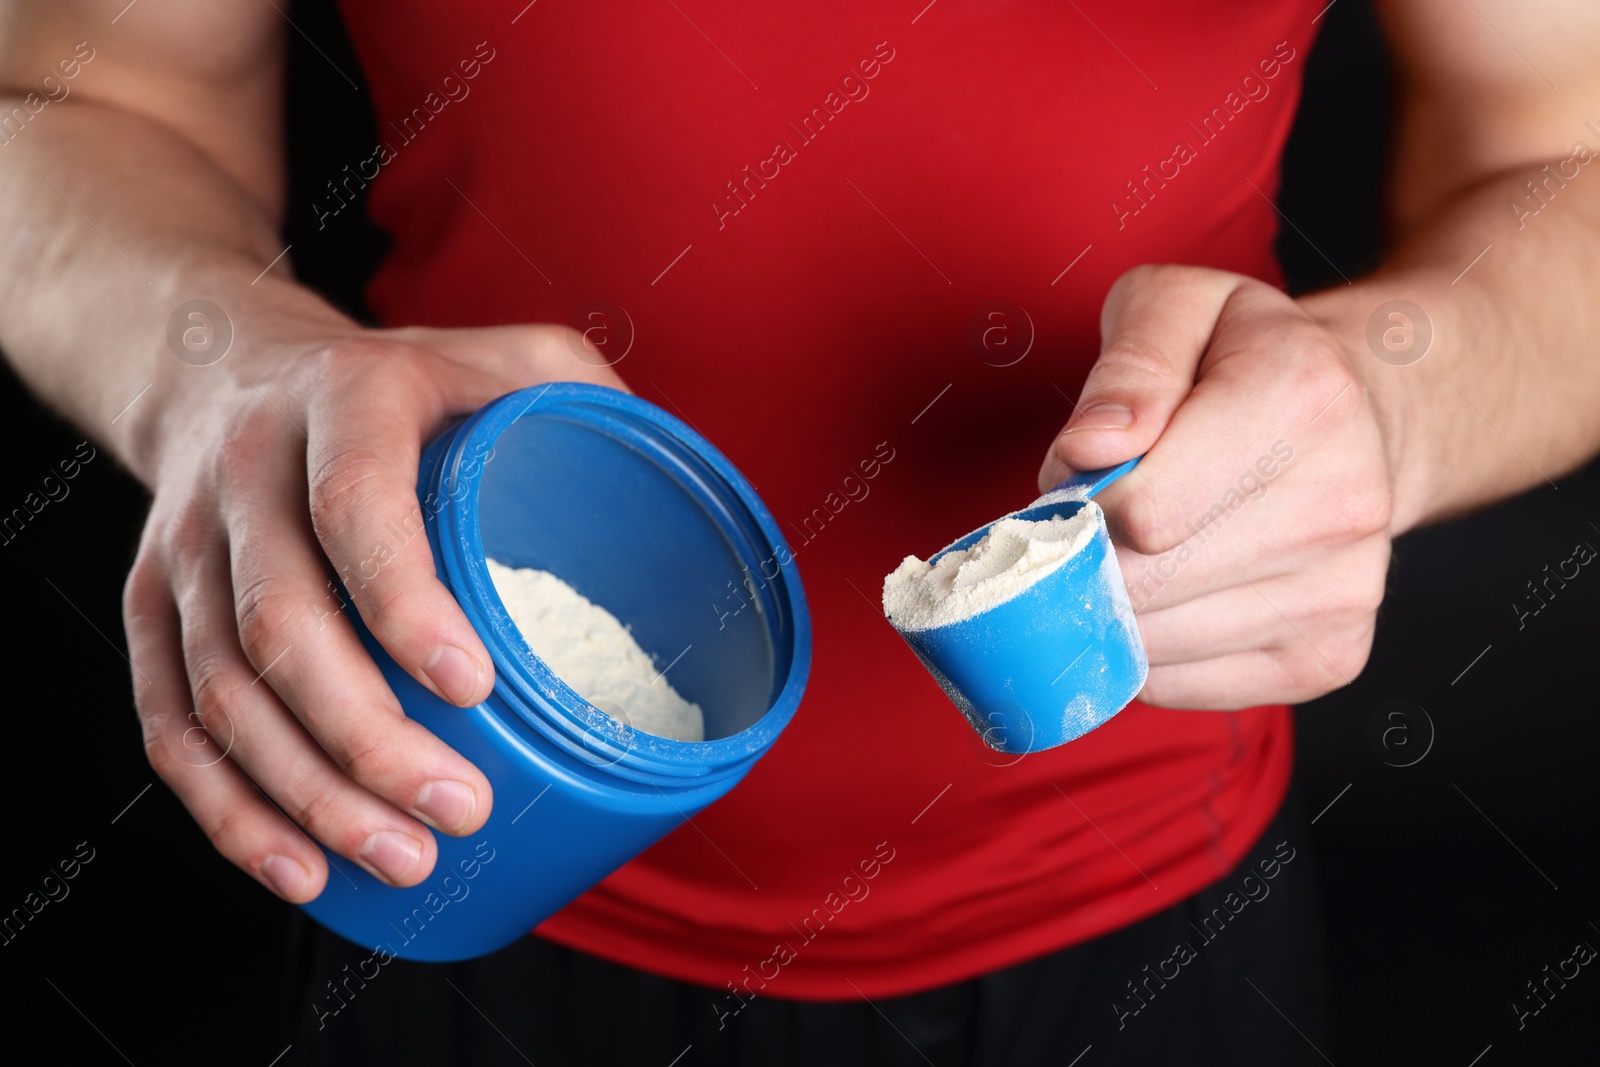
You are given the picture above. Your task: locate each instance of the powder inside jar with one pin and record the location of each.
(589, 649)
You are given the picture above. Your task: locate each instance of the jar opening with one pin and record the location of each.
(639, 514)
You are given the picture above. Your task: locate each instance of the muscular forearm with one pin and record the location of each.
(1508, 393)
(114, 221)
(291, 460)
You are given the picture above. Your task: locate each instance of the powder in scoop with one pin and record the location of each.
(594, 653)
(1012, 556)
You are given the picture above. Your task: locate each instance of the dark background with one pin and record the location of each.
(1436, 915)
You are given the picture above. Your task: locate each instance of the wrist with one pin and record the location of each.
(273, 323)
(1386, 344)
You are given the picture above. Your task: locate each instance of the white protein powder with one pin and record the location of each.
(1012, 556)
(594, 653)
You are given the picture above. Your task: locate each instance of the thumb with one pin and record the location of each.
(1154, 329)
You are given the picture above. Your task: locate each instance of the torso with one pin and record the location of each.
(822, 319)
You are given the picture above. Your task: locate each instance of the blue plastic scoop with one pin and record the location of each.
(1056, 660)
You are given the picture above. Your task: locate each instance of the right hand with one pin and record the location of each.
(280, 469)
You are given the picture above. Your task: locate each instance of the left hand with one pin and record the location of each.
(1254, 536)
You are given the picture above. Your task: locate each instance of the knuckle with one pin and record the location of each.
(228, 832)
(1166, 276)
(1304, 675)
(240, 453)
(367, 756)
(265, 610)
(1320, 383)
(382, 367)
(551, 341)
(1351, 654)
(1309, 672)
(1361, 510)
(347, 361)
(364, 371)
(158, 753)
(1365, 592)
(1128, 359)
(1147, 523)
(1060, 448)
(399, 600)
(1373, 507)
(142, 592)
(1141, 276)
(188, 529)
(318, 815)
(1362, 599)
(344, 483)
(215, 687)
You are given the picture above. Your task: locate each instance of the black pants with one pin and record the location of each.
(1247, 988)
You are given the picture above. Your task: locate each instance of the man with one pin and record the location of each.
(806, 213)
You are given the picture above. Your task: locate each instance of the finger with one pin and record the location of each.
(365, 444)
(1154, 329)
(365, 433)
(1257, 531)
(1292, 674)
(271, 747)
(239, 823)
(292, 630)
(1342, 591)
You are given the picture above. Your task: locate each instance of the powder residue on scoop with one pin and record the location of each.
(594, 653)
(1012, 556)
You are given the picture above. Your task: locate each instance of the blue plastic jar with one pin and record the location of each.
(643, 516)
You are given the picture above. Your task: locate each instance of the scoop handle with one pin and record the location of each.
(1091, 482)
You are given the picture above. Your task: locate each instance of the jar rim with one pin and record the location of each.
(523, 681)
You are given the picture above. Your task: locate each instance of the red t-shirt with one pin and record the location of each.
(814, 313)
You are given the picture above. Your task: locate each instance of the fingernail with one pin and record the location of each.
(455, 673)
(392, 855)
(1101, 417)
(285, 876)
(448, 804)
